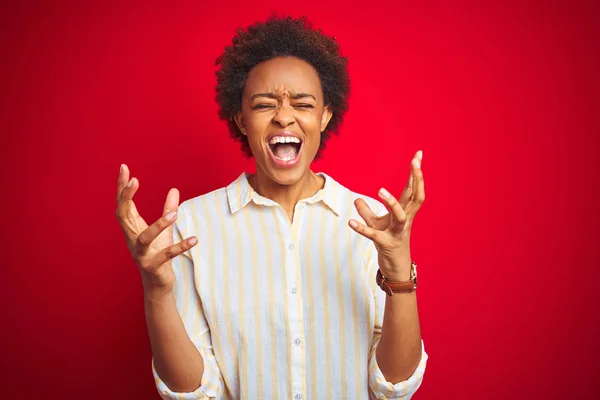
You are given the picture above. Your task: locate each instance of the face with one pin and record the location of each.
(283, 116)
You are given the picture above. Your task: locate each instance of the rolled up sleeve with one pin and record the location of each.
(211, 386)
(192, 315)
(382, 389)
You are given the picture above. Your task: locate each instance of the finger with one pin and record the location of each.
(369, 233)
(407, 191)
(418, 196)
(370, 218)
(124, 201)
(175, 250)
(172, 201)
(395, 208)
(130, 220)
(123, 179)
(409, 188)
(145, 239)
(129, 190)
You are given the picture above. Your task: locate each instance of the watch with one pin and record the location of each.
(391, 287)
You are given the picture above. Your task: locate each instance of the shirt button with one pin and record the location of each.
(291, 246)
(298, 396)
(297, 342)
(294, 290)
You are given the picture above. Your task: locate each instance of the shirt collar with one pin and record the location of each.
(240, 193)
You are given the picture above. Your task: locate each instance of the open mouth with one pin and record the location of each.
(285, 150)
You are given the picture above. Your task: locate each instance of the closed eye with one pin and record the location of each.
(262, 106)
(304, 105)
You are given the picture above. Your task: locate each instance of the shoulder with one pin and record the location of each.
(219, 203)
(348, 196)
(206, 202)
(193, 214)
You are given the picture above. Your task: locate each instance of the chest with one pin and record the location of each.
(268, 272)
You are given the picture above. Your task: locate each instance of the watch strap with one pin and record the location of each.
(391, 287)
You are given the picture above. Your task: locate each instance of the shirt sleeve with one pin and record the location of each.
(192, 315)
(380, 387)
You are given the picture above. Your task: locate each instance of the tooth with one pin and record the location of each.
(284, 139)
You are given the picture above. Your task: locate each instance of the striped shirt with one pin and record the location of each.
(282, 310)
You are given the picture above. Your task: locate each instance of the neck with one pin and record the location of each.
(287, 196)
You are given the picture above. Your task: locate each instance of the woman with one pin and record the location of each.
(283, 284)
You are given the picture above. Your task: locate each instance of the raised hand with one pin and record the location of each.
(391, 232)
(151, 246)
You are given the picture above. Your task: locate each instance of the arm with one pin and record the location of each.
(399, 348)
(382, 382)
(176, 359)
(399, 358)
(184, 365)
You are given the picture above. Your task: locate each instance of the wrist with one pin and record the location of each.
(157, 297)
(155, 290)
(398, 271)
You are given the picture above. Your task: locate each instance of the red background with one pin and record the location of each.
(503, 97)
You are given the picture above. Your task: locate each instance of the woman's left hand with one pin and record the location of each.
(391, 232)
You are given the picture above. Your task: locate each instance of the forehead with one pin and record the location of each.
(283, 76)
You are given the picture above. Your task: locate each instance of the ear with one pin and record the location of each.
(239, 120)
(326, 117)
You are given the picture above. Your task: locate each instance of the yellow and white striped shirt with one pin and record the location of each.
(282, 310)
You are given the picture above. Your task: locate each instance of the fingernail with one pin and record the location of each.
(384, 193)
(193, 241)
(353, 224)
(421, 155)
(130, 183)
(171, 215)
(417, 163)
(121, 169)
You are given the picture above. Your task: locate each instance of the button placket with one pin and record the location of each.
(295, 317)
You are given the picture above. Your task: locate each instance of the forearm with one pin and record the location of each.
(399, 348)
(176, 359)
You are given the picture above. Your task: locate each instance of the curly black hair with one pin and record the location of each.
(281, 37)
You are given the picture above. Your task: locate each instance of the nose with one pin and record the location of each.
(284, 116)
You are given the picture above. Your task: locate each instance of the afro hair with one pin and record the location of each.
(281, 37)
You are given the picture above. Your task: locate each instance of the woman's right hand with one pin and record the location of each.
(151, 246)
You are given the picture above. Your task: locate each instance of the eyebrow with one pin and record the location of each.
(295, 96)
